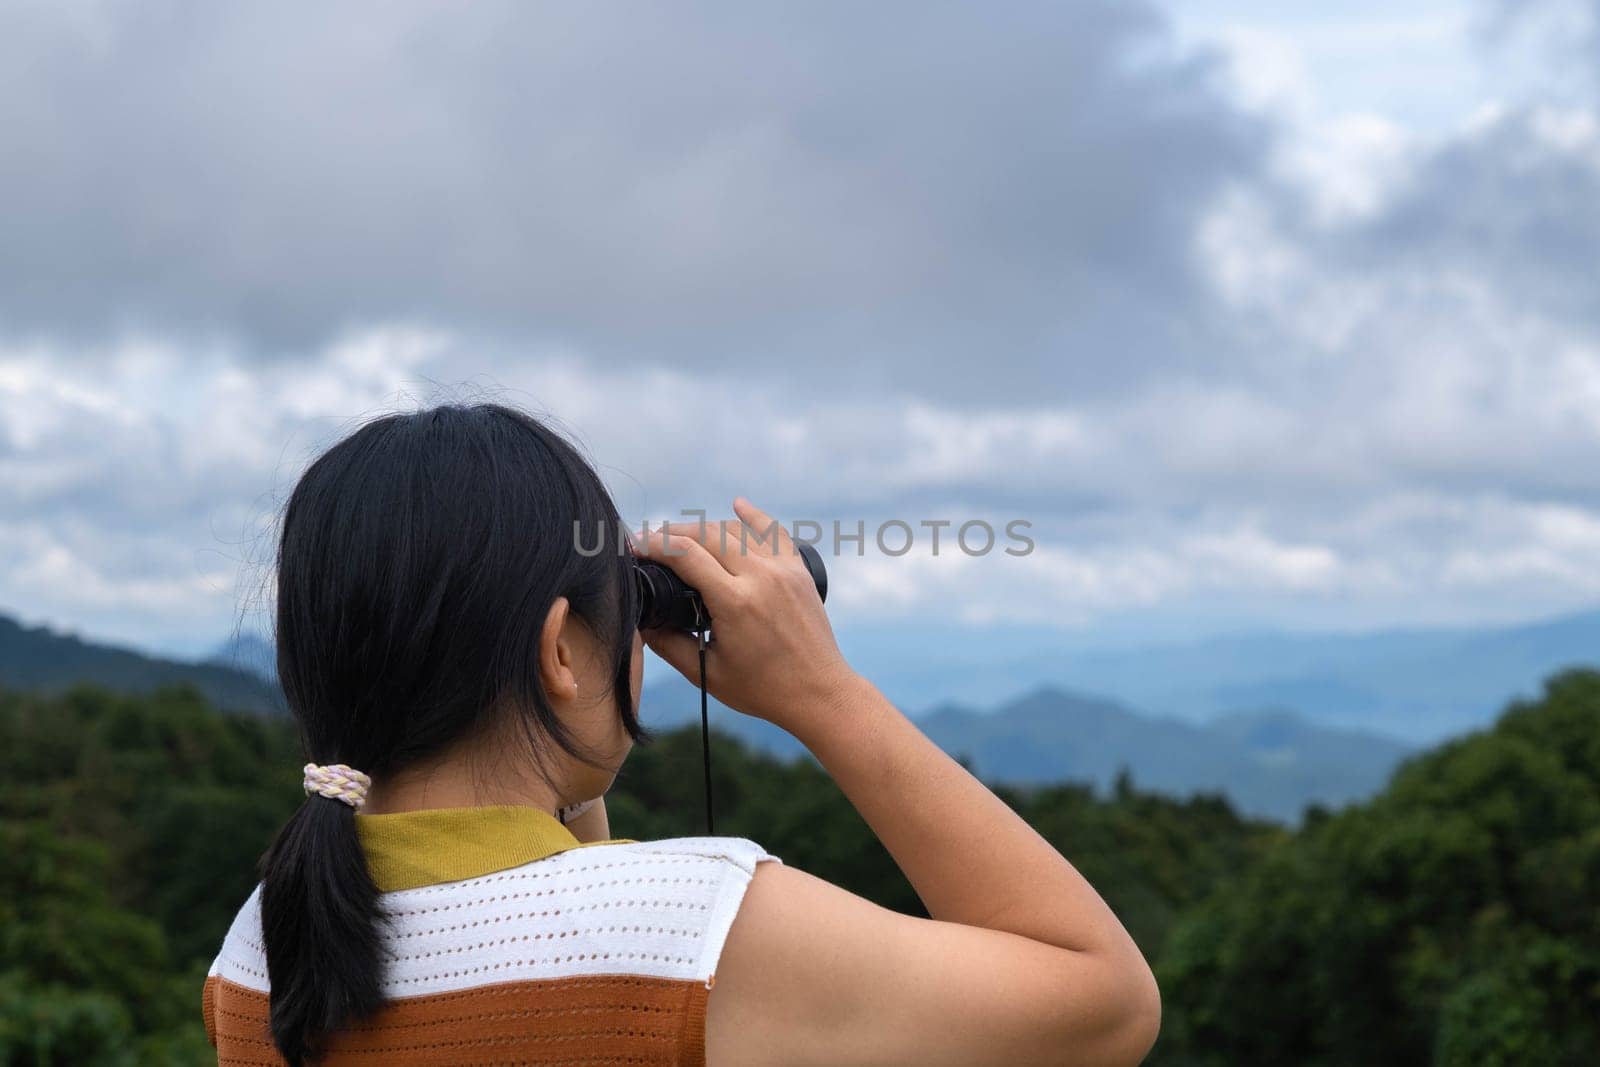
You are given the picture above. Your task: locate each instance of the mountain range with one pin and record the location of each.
(1268, 763)
(1418, 685)
(44, 660)
(1275, 721)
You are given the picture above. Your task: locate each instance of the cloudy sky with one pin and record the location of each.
(1258, 313)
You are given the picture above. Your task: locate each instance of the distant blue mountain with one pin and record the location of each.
(1274, 720)
(40, 659)
(1418, 685)
(1268, 763)
(248, 652)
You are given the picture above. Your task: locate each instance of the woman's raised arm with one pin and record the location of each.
(1021, 962)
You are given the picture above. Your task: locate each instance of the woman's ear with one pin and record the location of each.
(556, 655)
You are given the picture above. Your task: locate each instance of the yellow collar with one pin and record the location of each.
(409, 849)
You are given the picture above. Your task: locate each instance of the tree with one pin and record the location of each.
(1449, 919)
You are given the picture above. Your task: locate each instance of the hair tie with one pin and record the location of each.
(337, 782)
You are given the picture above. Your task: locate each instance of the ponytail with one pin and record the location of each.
(319, 922)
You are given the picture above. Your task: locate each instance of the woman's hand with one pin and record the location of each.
(774, 655)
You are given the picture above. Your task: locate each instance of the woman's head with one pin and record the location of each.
(449, 580)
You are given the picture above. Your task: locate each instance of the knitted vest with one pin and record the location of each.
(508, 941)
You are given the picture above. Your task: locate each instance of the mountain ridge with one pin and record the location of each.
(1274, 741)
(42, 659)
(1417, 684)
(1271, 763)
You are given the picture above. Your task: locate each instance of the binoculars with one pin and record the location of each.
(667, 602)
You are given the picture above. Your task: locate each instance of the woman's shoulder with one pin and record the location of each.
(696, 883)
(660, 907)
(740, 852)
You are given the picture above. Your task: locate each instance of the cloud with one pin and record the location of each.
(1231, 357)
(896, 198)
(157, 529)
(1453, 335)
(1559, 41)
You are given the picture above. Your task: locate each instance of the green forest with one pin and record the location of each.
(1453, 919)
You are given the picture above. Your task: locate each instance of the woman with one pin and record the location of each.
(465, 670)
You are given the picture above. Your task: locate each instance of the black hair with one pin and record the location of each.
(417, 561)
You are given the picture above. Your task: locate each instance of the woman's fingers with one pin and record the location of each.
(750, 513)
(732, 543)
(765, 531)
(690, 560)
(728, 540)
(681, 651)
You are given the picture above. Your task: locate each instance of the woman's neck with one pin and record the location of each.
(460, 778)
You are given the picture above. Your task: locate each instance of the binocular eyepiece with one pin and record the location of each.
(667, 602)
